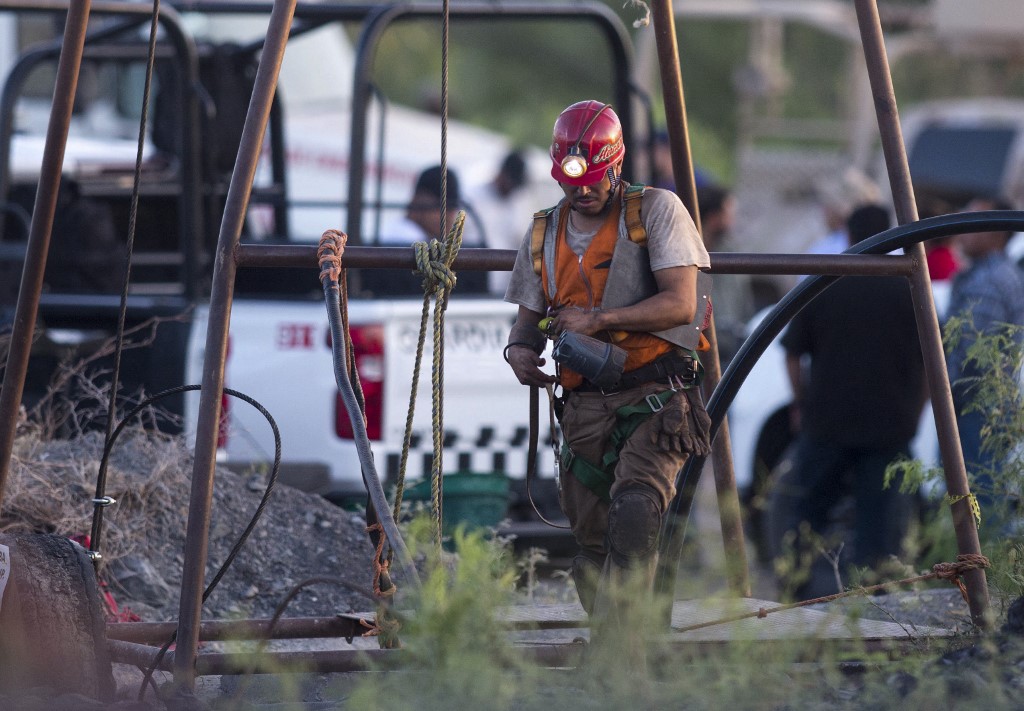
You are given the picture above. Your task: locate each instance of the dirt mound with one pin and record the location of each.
(299, 536)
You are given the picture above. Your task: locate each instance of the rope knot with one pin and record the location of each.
(434, 259)
(953, 571)
(437, 276)
(328, 255)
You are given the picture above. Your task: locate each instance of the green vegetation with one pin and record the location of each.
(997, 393)
(460, 655)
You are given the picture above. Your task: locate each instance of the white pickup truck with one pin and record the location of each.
(485, 408)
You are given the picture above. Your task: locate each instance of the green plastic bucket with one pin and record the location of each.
(478, 500)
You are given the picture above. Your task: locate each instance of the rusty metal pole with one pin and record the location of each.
(927, 322)
(39, 231)
(682, 172)
(239, 191)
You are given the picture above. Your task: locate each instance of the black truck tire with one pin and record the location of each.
(52, 625)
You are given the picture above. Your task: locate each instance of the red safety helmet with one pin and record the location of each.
(586, 141)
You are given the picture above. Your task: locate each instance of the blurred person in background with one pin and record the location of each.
(988, 295)
(855, 409)
(421, 222)
(838, 198)
(499, 205)
(733, 297)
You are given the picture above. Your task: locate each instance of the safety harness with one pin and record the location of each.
(599, 478)
(634, 225)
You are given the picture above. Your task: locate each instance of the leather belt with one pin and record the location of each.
(683, 365)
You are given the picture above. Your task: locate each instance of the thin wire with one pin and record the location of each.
(101, 476)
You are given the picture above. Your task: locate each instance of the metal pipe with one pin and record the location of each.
(929, 333)
(737, 570)
(338, 627)
(472, 259)
(39, 232)
(208, 664)
(239, 190)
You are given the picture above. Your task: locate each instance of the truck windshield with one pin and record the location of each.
(961, 159)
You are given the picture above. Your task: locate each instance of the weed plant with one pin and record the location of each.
(996, 392)
(458, 653)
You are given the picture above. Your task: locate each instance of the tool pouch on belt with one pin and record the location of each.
(685, 427)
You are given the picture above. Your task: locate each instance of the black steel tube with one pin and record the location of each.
(39, 231)
(737, 570)
(239, 190)
(943, 410)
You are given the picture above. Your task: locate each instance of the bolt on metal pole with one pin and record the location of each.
(39, 231)
(895, 154)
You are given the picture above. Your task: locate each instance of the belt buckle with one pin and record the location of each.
(653, 402)
(566, 459)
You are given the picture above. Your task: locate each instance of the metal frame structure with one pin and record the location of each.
(186, 662)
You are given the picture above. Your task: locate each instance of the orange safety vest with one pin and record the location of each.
(580, 282)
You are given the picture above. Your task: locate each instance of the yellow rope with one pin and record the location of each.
(434, 261)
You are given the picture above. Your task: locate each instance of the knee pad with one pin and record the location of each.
(634, 524)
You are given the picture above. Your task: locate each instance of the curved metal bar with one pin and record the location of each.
(773, 324)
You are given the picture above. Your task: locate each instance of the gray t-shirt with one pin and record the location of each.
(672, 241)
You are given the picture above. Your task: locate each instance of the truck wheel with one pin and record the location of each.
(52, 625)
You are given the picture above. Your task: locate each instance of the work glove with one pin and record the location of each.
(685, 425)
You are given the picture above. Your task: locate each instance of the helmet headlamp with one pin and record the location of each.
(574, 165)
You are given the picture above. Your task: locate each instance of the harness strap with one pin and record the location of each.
(634, 225)
(540, 225)
(628, 419)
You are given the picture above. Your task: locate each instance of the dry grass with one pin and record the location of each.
(52, 483)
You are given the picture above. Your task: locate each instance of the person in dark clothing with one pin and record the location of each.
(856, 409)
(86, 254)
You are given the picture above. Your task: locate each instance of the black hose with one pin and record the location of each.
(271, 482)
(369, 472)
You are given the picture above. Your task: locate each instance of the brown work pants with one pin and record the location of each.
(587, 424)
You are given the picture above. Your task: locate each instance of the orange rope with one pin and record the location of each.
(328, 255)
(381, 565)
(385, 627)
